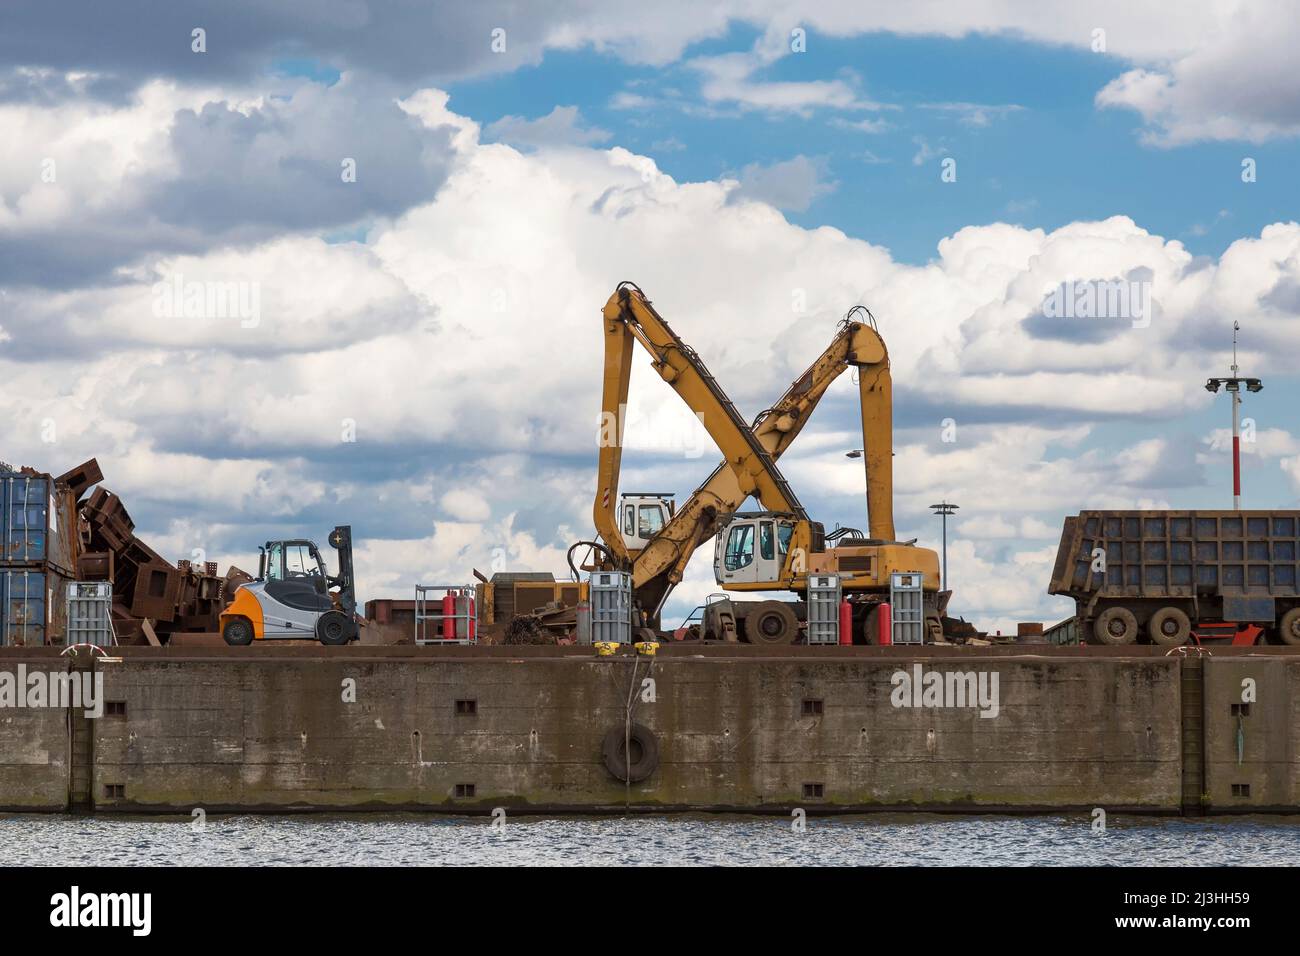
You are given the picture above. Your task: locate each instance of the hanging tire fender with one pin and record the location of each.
(644, 747)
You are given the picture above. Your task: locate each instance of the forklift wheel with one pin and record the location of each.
(238, 632)
(333, 628)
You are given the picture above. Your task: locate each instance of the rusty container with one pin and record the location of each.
(38, 523)
(33, 607)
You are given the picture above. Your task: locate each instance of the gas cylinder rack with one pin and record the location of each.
(444, 614)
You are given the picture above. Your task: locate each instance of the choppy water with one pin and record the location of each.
(409, 839)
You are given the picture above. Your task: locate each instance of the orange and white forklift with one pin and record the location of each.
(294, 595)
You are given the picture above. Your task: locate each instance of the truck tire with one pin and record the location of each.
(1115, 626)
(1169, 627)
(238, 632)
(771, 624)
(640, 743)
(1289, 629)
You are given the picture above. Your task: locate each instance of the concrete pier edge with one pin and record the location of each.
(273, 729)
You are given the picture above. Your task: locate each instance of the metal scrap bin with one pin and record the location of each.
(823, 609)
(90, 613)
(611, 607)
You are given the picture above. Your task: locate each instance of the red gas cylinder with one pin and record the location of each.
(846, 623)
(885, 622)
(448, 619)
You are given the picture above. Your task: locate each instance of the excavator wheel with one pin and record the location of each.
(771, 623)
(333, 628)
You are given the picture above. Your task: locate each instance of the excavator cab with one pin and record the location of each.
(642, 514)
(752, 549)
(292, 596)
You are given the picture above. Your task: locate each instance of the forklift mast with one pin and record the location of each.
(341, 540)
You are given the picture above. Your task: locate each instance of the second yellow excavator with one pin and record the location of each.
(775, 549)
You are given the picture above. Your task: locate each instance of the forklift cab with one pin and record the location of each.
(295, 575)
(751, 548)
(642, 514)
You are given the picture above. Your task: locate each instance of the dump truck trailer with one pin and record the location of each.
(1157, 576)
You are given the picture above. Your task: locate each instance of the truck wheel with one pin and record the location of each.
(1115, 626)
(771, 623)
(333, 628)
(1169, 627)
(1289, 629)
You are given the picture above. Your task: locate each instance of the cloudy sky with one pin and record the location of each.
(424, 206)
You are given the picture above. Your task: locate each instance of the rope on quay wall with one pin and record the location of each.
(629, 712)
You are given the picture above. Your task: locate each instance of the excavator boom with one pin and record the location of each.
(629, 315)
(662, 563)
(876, 398)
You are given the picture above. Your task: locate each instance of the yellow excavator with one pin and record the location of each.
(775, 549)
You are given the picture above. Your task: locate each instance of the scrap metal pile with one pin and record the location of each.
(152, 598)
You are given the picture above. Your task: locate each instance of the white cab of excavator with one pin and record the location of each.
(642, 514)
(752, 547)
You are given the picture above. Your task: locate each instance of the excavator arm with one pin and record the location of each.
(876, 395)
(661, 565)
(628, 315)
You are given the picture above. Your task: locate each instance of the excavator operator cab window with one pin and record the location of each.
(784, 532)
(650, 521)
(740, 547)
(629, 519)
(766, 544)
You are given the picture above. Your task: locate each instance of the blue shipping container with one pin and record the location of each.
(33, 608)
(37, 522)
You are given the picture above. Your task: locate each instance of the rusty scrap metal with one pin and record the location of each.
(80, 479)
(527, 629)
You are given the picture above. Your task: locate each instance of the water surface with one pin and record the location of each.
(420, 840)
